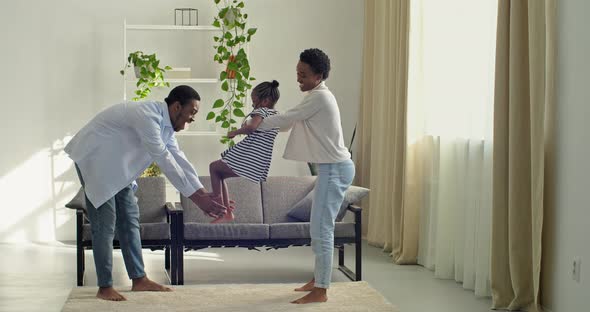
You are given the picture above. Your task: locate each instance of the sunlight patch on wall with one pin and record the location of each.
(33, 196)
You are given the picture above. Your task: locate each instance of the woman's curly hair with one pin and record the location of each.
(317, 60)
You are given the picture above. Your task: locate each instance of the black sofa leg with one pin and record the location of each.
(167, 258)
(358, 260)
(357, 275)
(353, 276)
(173, 265)
(358, 244)
(80, 267)
(179, 238)
(172, 251)
(180, 262)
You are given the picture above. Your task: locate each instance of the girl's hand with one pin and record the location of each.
(231, 134)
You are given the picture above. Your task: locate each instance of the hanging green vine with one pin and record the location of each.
(235, 79)
(148, 72)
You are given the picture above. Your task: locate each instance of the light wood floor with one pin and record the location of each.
(39, 277)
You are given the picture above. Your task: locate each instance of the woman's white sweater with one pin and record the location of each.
(316, 130)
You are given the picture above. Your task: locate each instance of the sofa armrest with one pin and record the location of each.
(178, 207)
(78, 203)
(77, 208)
(354, 208)
(173, 208)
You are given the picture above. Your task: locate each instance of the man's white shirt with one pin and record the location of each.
(119, 143)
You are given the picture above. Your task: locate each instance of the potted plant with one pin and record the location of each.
(148, 72)
(152, 171)
(235, 79)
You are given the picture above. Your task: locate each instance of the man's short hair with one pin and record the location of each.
(182, 94)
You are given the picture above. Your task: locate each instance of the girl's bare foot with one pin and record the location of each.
(145, 284)
(228, 217)
(316, 295)
(306, 287)
(109, 293)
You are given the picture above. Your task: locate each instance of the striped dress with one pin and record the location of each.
(250, 158)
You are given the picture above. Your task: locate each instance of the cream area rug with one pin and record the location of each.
(348, 296)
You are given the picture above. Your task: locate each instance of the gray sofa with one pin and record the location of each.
(261, 220)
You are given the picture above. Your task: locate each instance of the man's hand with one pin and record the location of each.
(210, 207)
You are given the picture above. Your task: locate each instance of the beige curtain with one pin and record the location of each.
(381, 158)
(524, 93)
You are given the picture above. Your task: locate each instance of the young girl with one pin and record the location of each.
(250, 158)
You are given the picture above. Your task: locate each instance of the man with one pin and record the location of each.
(110, 152)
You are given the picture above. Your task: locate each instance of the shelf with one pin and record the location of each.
(171, 27)
(184, 80)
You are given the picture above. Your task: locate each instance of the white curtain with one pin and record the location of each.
(450, 118)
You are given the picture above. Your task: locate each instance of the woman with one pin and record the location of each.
(316, 137)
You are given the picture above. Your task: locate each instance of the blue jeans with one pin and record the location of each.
(121, 213)
(333, 180)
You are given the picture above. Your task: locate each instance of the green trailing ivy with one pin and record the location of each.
(148, 71)
(235, 79)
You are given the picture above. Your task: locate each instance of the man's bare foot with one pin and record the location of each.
(145, 284)
(109, 293)
(306, 287)
(316, 295)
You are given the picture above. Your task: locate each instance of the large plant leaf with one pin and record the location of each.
(239, 113)
(218, 103)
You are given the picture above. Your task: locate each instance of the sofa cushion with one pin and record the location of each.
(245, 193)
(147, 231)
(279, 194)
(301, 211)
(151, 199)
(204, 231)
(301, 230)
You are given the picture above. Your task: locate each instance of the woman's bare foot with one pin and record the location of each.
(316, 295)
(306, 287)
(145, 284)
(109, 293)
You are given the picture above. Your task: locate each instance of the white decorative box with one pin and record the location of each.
(178, 73)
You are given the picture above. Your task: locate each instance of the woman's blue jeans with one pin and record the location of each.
(121, 213)
(333, 181)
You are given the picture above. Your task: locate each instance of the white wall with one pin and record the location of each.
(566, 222)
(60, 62)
